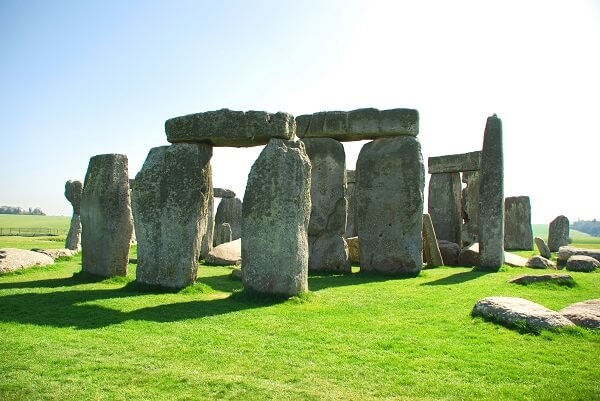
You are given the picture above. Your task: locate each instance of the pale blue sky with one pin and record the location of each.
(81, 78)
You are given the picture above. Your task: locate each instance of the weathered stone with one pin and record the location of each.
(226, 254)
(12, 259)
(236, 274)
(514, 260)
(223, 193)
(222, 234)
(231, 128)
(170, 207)
(561, 279)
(449, 251)
(106, 225)
(582, 263)
(516, 312)
(470, 208)
(230, 211)
(207, 230)
(542, 248)
(276, 211)
(131, 184)
(327, 248)
(540, 262)
(351, 230)
(444, 206)
(469, 256)
(558, 233)
(565, 252)
(391, 177)
(431, 250)
(353, 250)
(454, 163)
(518, 234)
(73, 191)
(350, 176)
(585, 314)
(491, 197)
(73, 240)
(56, 253)
(358, 125)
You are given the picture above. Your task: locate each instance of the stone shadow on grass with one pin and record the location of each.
(458, 278)
(320, 281)
(75, 279)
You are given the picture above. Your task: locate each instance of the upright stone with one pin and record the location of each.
(73, 191)
(431, 251)
(391, 179)
(518, 233)
(206, 242)
(230, 211)
(170, 207)
(351, 201)
(470, 208)
(328, 250)
(276, 211)
(223, 193)
(558, 233)
(106, 216)
(444, 205)
(491, 197)
(222, 234)
(542, 247)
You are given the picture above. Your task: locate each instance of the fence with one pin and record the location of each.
(31, 231)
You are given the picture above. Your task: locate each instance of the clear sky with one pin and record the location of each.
(84, 77)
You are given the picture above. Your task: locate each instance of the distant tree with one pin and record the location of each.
(17, 210)
(591, 227)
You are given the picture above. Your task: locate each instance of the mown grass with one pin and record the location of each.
(26, 221)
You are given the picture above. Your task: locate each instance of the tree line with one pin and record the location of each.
(591, 227)
(18, 210)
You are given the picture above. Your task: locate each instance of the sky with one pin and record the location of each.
(80, 78)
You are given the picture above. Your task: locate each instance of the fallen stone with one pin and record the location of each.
(12, 259)
(520, 313)
(543, 278)
(514, 260)
(542, 248)
(584, 314)
(227, 254)
(518, 233)
(223, 193)
(540, 262)
(565, 252)
(57, 253)
(582, 263)
(454, 163)
(444, 206)
(558, 233)
(431, 251)
(449, 251)
(353, 250)
(469, 256)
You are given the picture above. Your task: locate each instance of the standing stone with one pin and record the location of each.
(73, 191)
(431, 251)
(223, 193)
(170, 207)
(106, 216)
(470, 208)
(391, 179)
(276, 211)
(444, 205)
(351, 201)
(542, 248)
(230, 211)
(222, 234)
(206, 242)
(491, 197)
(518, 234)
(558, 233)
(328, 250)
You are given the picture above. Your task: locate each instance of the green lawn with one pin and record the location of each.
(58, 224)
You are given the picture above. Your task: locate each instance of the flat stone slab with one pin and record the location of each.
(542, 278)
(223, 193)
(57, 253)
(582, 263)
(12, 259)
(514, 312)
(585, 314)
(565, 252)
(227, 254)
(454, 163)
(231, 128)
(358, 125)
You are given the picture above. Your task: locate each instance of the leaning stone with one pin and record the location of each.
(327, 248)
(391, 177)
(227, 254)
(230, 211)
(276, 211)
(223, 193)
(491, 197)
(431, 251)
(353, 250)
(558, 233)
(106, 225)
(542, 248)
(565, 252)
(561, 279)
(231, 128)
(444, 206)
(454, 163)
(170, 207)
(449, 251)
(470, 207)
(12, 259)
(222, 234)
(584, 314)
(540, 262)
(351, 201)
(469, 256)
(73, 191)
(358, 125)
(582, 263)
(518, 234)
(514, 312)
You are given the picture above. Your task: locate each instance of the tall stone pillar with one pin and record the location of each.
(444, 205)
(470, 207)
(558, 233)
(73, 191)
(230, 211)
(351, 230)
(518, 233)
(207, 240)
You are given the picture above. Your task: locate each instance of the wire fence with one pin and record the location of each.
(32, 231)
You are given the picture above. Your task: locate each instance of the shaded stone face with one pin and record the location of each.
(106, 216)
(276, 211)
(73, 192)
(222, 234)
(518, 233)
(444, 206)
(558, 233)
(470, 208)
(223, 193)
(454, 163)
(351, 230)
(170, 208)
(230, 211)
(542, 247)
(431, 251)
(207, 239)
(391, 179)
(327, 248)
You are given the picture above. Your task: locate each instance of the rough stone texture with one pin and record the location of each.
(449, 251)
(565, 252)
(542, 248)
(558, 233)
(231, 128)
(513, 312)
(582, 263)
(222, 234)
(230, 211)
(223, 193)
(351, 230)
(391, 179)
(207, 231)
(585, 314)
(454, 163)
(518, 233)
(353, 250)
(56, 253)
(226, 254)
(444, 206)
(491, 197)
(12, 259)
(514, 260)
(470, 207)
(358, 125)
(236, 274)
(73, 191)
(170, 207)
(431, 251)
(542, 278)
(106, 225)
(327, 247)
(540, 262)
(469, 256)
(276, 211)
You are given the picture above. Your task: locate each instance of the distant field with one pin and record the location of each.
(55, 224)
(578, 238)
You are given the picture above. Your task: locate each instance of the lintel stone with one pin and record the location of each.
(454, 163)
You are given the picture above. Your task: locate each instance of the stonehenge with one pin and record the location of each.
(229, 211)
(518, 233)
(73, 191)
(558, 233)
